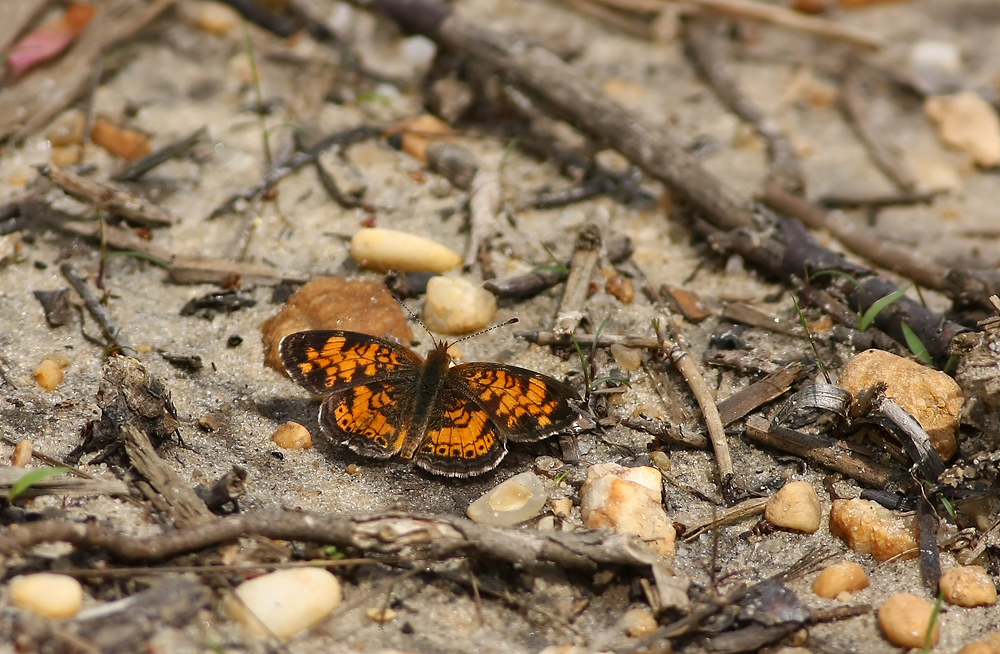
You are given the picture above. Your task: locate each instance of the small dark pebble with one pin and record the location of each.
(281, 292)
(234, 341)
(407, 628)
(209, 305)
(41, 265)
(731, 339)
(278, 455)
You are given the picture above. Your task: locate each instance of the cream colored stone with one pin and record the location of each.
(22, 454)
(639, 623)
(968, 586)
(841, 577)
(627, 500)
(930, 396)
(285, 602)
(48, 374)
(216, 18)
(904, 619)
(795, 506)
(562, 508)
(455, 306)
(46, 594)
(520, 498)
(628, 358)
(387, 249)
(968, 123)
(870, 528)
(988, 645)
(292, 436)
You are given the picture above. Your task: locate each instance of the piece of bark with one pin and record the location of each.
(581, 268)
(759, 393)
(56, 306)
(102, 197)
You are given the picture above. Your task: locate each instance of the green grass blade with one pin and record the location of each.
(876, 308)
(916, 345)
(933, 621)
(32, 478)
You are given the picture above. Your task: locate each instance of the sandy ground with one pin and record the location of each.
(180, 78)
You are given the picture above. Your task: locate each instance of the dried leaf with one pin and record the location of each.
(50, 39)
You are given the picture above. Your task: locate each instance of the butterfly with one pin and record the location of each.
(382, 399)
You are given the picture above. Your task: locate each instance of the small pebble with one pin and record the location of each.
(547, 523)
(968, 123)
(988, 645)
(520, 498)
(869, 528)
(68, 130)
(47, 594)
(620, 287)
(628, 500)
(48, 374)
(358, 305)
(292, 436)
(124, 143)
(627, 358)
(353, 469)
(209, 422)
(930, 396)
(216, 18)
(387, 249)
(968, 586)
(22, 454)
(841, 577)
(284, 602)
(69, 155)
(455, 306)
(416, 134)
(380, 615)
(661, 460)
(639, 623)
(562, 508)
(904, 619)
(795, 506)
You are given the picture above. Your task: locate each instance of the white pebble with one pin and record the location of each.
(285, 602)
(968, 123)
(455, 306)
(47, 594)
(795, 506)
(387, 249)
(628, 500)
(520, 498)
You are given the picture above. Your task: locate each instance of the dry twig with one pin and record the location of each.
(108, 325)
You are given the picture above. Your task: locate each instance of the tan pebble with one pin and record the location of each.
(241, 69)
(353, 469)
(795, 506)
(547, 523)
(68, 130)
(357, 305)
(47, 594)
(143, 348)
(58, 358)
(382, 250)
(10, 247)
(904, 619)
(124, 143)
(620, 287)
(968, 123)
(419, 132)
(629, 501)
(562, 508)
(639, 623)
(841, 577)
(661, 460)
(381, 615)
(564, 649)
(930, 396)
(968, 586)
(48, 374)
(520, 498)
(869, 528)
(285, 602)
(292, 436)
(22, 453)
(210, 422)
(455, 306)
(627, 358)
(988, 645)
(216, 18)
(66, 156)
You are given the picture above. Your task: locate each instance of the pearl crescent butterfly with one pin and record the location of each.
(381, 400)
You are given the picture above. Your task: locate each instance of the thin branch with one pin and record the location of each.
(581, 268)
(108, 325)
(135, 171)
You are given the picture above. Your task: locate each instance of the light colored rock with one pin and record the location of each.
(904, 619)
(22, 454)
(455, 306)
(639, 623)
(10, 245)
(968, 123)
(48, 374)
(562, 508)
(47, 594)
(988, 645)
(795, 506)
(216, 18)
(382, 250)
(628, 358)
(285, 602)
(661, 460)
(841, 577)
(520, 498)
(930, 396)
(870, 528)
(968, 586)
(292, 436)
(627, 500)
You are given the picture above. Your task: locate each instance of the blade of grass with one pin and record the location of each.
(878, 306)
(32, 478)
(812, 343)
(916, 345)
(933, 621)
(260, 99)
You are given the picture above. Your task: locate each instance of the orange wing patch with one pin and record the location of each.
(341, 362)
(464, 432)
(515, 397)
(369, 418)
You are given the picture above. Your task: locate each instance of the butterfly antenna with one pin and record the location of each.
(416, 319)
(488, 329)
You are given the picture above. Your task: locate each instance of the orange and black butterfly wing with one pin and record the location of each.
(326, 361)
(461, 439)
(372, 418)
(523, 405)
